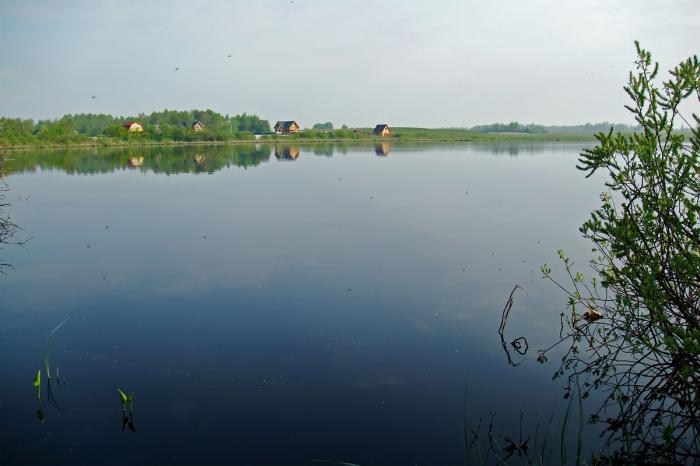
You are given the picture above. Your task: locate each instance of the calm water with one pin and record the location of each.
(281, 305)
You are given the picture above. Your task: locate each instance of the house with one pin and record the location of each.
(286, 127)
(198, 126)
(133, 126)
(287, 153)
(382, 149)
(382, 130)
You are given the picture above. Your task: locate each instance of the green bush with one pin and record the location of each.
(634, 329)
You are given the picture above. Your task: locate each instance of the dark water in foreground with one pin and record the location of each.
(278, 306)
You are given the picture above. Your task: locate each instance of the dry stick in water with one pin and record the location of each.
(517, 344)
(47, 349)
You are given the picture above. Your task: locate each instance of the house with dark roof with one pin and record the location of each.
(133, 126)
(198, 126)
(382, 130)
(286, 127)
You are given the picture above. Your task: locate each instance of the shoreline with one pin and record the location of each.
(303, 141)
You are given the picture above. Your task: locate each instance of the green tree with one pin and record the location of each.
(635, 327)
(327, 126)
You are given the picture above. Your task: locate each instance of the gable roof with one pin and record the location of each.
(127, 124)
(285, 124)
(381, 127)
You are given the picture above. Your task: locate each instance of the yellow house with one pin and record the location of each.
(198, 126)
(286, 127)
(382, 130)
(133, 126)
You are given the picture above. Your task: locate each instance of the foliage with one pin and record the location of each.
(593, 128)
(324, 126)
(89, 124)
(126, 399)
(635, 328)
(512, 127)
(37, 384)
(164, 126)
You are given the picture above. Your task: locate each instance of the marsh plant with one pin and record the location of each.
(633, 330)
(47, 371)
(127, 416)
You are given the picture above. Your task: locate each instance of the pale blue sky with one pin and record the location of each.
(437, 63)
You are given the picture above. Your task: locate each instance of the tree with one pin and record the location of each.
(634, 328)
(327, 126)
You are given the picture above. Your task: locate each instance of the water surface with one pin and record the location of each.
(278, 305)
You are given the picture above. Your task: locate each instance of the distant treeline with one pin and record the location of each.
(164, 126)
(177, 126)
(588, 128)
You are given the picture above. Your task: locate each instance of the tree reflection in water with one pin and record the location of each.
(8, 229)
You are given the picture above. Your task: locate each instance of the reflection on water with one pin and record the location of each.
(135, 162)
(168, 160)
(189, 159)
(287, 152)
(382, 149)
(340, 326)
(8, 228)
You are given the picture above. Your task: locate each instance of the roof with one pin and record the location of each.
(127, 124)
(285, 124)
(381, 127)
(197, 122)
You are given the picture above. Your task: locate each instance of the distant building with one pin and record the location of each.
(287, 153)
(286, 127)
(198, 126)
(382, 130)
(133, 126)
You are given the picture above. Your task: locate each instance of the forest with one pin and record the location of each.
(160, 126)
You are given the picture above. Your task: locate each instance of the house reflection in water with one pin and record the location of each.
(287, 153)
(135, 161)
(199, 159)
(383, 149)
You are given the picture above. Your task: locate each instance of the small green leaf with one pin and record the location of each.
(37, 385)
(124, 396)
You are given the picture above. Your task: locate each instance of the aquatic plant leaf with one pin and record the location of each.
(124, 396)
(37, 385)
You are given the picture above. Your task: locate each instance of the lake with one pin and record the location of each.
(282, 305)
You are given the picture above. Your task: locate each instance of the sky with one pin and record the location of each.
(440, 63)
